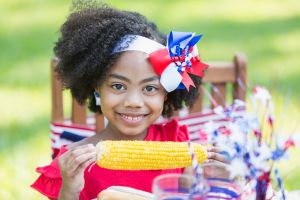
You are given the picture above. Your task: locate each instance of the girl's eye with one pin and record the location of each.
(118, 86)
(150, 89)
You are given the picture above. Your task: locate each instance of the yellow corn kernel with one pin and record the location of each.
(142, 155)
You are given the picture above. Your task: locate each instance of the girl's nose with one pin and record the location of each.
(134, 99)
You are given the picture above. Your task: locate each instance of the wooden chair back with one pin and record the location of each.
(218, 75)
(78, 112)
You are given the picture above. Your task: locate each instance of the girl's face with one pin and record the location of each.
(132, 97)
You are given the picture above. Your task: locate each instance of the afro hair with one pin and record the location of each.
(84, 50)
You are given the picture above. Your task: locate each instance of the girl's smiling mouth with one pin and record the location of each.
(132, 118)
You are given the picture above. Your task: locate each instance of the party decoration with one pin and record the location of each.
(177, 61)
(250, 143)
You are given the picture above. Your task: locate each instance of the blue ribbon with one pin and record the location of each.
(279, 182)
(176, 40)
(278, 153)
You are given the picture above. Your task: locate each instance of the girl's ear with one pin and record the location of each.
(166, 97)
(97, 98)
(97, 89)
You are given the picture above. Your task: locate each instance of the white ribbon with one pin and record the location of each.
(170, 78)
(137, 43)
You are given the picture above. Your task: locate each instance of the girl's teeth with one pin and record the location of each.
(132, 118)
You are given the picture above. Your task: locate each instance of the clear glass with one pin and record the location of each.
(215, 169)
(221, 185)
(215, 183)
(176, 187)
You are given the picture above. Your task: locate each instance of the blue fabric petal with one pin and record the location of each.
(177, 37)
(180, 87)
(195, 39)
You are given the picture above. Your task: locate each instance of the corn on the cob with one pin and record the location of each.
(142, 155)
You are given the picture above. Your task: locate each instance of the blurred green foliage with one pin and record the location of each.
(267, 32)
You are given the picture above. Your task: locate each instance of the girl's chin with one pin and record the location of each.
(133, 133)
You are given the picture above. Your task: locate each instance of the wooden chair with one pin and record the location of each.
(218, 75)
(67, 129)
(78, 112)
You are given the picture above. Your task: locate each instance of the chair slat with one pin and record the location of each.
(240, 85)
(220, 72)
(218, 93)
(57, 97)
(197, 107)
(78, 113)
(99, 122)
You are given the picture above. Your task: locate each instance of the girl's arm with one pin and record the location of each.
(72, 165)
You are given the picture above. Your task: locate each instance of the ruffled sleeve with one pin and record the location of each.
(170, 131)
(50, 181)
(180, 132)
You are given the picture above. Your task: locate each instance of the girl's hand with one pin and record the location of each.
(216, 164)
(72, 165)
(216, 154)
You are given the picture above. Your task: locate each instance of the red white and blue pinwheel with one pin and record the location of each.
(179, 59)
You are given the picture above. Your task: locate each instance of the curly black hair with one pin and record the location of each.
(84, 51)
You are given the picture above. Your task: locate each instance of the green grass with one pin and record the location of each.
(268, 32)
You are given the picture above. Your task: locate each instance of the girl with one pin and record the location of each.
(109, 57)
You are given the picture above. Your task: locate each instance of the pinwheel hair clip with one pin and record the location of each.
(174, 62)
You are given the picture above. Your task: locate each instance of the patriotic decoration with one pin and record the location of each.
(200, 124)
(179, 59)
(250, 144)
(173, 63)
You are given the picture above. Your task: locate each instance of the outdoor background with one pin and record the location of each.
(268, 32)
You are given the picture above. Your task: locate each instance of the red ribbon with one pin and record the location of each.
(160, 60)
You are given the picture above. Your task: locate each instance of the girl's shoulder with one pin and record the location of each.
(168, 131)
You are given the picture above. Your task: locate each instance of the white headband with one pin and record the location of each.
(173, 68)
(137, 43)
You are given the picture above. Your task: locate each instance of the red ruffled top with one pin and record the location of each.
(98, 179)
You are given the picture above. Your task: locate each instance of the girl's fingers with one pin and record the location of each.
(218, 157)
(83, 158)
(76, 162)
(77, 151)
(218, 154)
(84, 165)
(72, 159)
(214, 149)
(82, 150)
